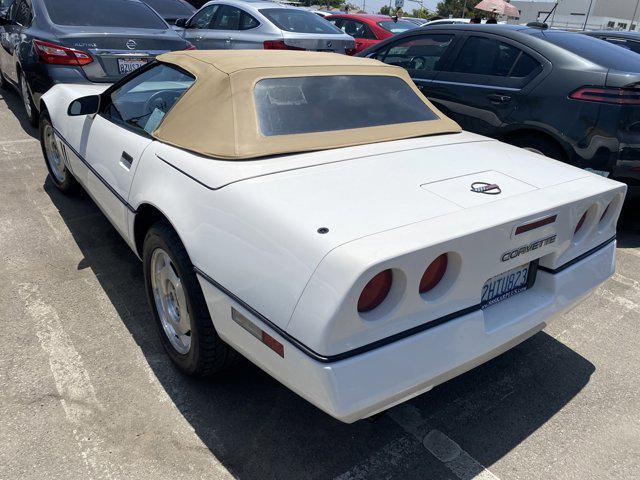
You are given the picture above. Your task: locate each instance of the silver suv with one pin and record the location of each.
(234, 24)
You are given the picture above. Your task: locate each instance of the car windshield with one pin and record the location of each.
(171, 8)
(397, 27)
(103, 13)
(287, 106)
(299, 21)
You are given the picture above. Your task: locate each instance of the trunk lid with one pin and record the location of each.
(319, 42)
(121, 50)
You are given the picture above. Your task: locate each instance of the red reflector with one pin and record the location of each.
(537, 224)
(278, 45)
(580, 223)
(434, 273)
(374, 292)
(191, 46)
(58, 55)
(618, 96)
(257, 332)
(272, 343)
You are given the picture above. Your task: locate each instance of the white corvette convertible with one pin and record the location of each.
(317, 214)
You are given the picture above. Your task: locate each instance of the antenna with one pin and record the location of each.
(549, 14)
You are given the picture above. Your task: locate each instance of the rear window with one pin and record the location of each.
(171, 8)
(288, 106)
(300, 21)
(593, 49)
(103, 13)
(397, 27)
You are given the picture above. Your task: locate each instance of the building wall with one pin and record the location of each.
(571, 14)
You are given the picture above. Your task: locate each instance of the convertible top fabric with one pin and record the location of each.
(217, 117)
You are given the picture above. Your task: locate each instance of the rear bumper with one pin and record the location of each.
(368, 383)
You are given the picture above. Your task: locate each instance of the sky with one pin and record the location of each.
(372, 6)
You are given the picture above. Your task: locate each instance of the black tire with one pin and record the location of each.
(540, 145)
(4, 85)
(29, 106)
(207, 354)
(67, 184)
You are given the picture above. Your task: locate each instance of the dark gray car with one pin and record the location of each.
(628, 40)
(563, 94)
(236, 24)
(44, 42)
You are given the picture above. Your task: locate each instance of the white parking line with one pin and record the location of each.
(443, 448)
(24, 140)
(76, 392)
(463, 465)
(455, 458)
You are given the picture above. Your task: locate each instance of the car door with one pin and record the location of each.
(21, 17)
(230, 29)
(248, 35)
(421, 54)
(197, 27)
(360, 31)
(116, 138)
(484, 81)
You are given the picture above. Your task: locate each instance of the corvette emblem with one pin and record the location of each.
(131, 44)
(488, 188)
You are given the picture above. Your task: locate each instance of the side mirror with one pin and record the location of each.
(84, 106)
(181, 22)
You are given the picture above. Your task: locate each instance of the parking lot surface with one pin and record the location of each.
(87, 392)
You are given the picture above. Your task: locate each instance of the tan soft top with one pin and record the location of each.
(216, 117)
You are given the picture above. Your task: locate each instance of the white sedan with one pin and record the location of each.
(315, 213)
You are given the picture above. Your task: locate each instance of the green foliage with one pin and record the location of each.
(454, 8)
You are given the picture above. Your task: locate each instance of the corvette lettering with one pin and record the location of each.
(527, 248)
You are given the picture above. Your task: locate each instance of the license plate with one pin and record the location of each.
(128, 65)
(505, 285)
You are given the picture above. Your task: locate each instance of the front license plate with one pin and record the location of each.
(128, 65)
(505, 285)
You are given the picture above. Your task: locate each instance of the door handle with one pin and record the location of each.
(497, 98)
(126, 160)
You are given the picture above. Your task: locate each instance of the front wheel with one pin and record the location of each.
(54, 157)
(179, 307)
(27, 100)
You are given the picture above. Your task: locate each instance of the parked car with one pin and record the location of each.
(417, 20)
(566, 95)
(238, 24)
(172, 10)
(343, 219)
(624, 39)
(45, 42)
(369, 29)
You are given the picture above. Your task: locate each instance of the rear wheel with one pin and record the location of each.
(54, 158)
(179, 307)
(27, 100)
(539, 145)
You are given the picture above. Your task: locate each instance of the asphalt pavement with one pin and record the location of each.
(86, 391)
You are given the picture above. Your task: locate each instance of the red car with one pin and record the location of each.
(369, 29)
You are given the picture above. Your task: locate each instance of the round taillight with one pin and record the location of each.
(580, 223)
(434, 273)
(374, 292)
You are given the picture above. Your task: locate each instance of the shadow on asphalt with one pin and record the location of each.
(260, 430)
(14, 104)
